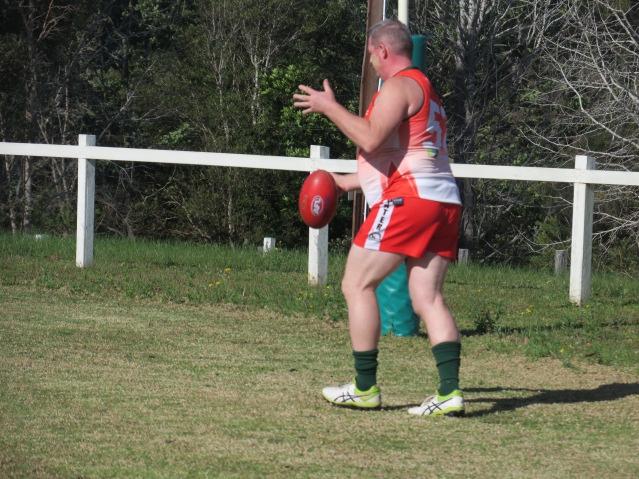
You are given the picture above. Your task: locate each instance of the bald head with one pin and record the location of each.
(394, 34)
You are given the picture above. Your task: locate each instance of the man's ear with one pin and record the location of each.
(383, 50)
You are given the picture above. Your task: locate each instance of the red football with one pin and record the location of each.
(318, 199)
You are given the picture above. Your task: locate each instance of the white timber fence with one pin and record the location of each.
(584, 175)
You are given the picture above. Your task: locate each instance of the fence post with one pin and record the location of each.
(581, 246)
(86, 206)
(318, 238)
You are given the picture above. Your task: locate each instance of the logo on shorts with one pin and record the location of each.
(375, 236)
(317, 205)
(380, 226)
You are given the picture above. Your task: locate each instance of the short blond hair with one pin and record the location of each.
(394, 34)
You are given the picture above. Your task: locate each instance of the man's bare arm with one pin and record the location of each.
(391, 107)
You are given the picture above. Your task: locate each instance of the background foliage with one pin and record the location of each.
(525, 82)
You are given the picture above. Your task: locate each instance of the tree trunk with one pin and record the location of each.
(229, 216)
(28, 195)
(29, 17)
(471, 16)
(468, 212)
(368, 85)
(8, 168)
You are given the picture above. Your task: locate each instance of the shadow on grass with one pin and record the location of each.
(558, 326)
(605, 392)
(512, 330)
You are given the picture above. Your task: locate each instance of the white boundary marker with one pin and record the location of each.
(402, 11)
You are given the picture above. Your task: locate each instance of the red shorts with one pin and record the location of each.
(411, 227)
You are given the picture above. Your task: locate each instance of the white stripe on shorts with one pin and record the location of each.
(376, 233)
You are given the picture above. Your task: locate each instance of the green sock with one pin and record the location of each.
(366, 368)
(447, 357)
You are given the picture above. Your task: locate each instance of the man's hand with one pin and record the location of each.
(398, 99)
(314, 101)
(348, 182)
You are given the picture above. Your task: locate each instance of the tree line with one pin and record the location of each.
(524, 82)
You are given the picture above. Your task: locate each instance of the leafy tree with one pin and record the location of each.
(584, 86)
(525, 82)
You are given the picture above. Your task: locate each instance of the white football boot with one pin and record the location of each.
(450, 405)
(348, 395)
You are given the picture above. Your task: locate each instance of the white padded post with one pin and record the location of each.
(581, 249)
(86, 206)
(318, 238)
(402, 11)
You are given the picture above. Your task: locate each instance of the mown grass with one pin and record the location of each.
(512, 309)
(172, 273)
(174, 360)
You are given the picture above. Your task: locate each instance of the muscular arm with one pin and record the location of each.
(396, 101)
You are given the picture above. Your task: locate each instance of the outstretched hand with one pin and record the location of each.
(314, 101)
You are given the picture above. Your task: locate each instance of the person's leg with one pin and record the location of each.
(426, 280)
(365, 269)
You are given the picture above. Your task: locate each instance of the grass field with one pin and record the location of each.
(174, 360)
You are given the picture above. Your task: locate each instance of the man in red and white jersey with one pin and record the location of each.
(403, 170)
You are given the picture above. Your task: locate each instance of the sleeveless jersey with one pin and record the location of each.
(413, 161)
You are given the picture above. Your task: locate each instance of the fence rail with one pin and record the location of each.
(583, 176)
(291, 163)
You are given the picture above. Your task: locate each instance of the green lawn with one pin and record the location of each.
(173, 360)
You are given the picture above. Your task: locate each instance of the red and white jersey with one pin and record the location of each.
(413, 161)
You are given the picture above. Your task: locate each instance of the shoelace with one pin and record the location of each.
(427, 400)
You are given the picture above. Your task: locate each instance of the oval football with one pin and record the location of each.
(318, 199)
